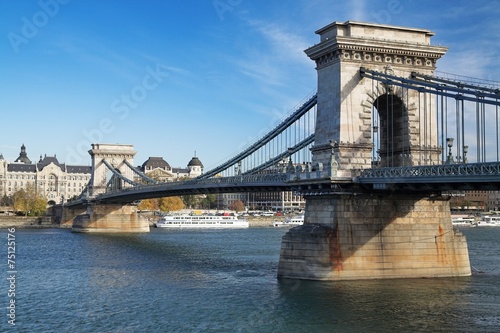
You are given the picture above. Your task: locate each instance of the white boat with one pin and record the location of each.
(463, 222)
(489, 221)
(200, 221)
(293, 221)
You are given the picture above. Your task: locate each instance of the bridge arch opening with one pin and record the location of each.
(113, 182)
(390, 131)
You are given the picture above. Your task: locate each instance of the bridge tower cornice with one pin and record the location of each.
(375, 44)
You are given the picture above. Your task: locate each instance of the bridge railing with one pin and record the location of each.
(270, 178)
(444, 170)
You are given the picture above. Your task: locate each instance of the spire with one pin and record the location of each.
(23, 157)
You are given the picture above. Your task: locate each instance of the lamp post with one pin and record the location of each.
(465, 150)
(449, 143)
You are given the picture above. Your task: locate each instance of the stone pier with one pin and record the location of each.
(374, 237)
(110, 218)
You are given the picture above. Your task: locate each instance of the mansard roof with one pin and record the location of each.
(179, 170)
(21, 167)
(155, 162)
(47, 160)
(78, 169)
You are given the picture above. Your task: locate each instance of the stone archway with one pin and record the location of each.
(113, 154)
(345, 98)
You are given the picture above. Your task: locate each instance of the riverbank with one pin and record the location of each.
(27, 222)
(46, 222)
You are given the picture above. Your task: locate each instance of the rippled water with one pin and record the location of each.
(225, 281)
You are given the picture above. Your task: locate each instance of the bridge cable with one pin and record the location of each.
(305, 107)
(140, 174)
(119, 175)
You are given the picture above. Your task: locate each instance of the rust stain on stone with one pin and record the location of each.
(440, 246)
(335, 251)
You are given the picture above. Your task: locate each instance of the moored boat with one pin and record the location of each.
(489, 221)
(463, 222)
(290, 221)
(200, 221)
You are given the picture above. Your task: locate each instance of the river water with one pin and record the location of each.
(225, 281)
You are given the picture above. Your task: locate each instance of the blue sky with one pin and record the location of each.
(179, 76)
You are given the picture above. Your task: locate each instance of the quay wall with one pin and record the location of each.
(27, 222)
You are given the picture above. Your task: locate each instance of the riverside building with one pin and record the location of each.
(55, 181)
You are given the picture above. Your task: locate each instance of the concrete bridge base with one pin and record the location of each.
(350, 237)
(110, 218)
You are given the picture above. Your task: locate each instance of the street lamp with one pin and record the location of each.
(466, 149)
(449, 143)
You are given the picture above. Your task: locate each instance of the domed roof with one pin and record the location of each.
(23, 157)
(195, 162)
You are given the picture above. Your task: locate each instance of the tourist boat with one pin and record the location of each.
(293, 221)
(463, 222)
(489, 221)
(200, 221)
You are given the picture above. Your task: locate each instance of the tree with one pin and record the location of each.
(28, 202)
(237, 206)
(148, 204)
(209, 201)
(169, 204)
(6, 200)
(190, 201)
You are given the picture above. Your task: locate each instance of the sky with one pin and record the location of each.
(178, 78)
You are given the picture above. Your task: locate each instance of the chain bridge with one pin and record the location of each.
(375, 152)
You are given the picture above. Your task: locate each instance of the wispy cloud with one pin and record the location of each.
(271, 64)
(284, 44)
(357, 10)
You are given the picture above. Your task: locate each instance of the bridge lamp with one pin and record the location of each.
(449, 143)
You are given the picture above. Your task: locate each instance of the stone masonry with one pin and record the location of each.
(360, 235)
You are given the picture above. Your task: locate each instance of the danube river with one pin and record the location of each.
(225, 281)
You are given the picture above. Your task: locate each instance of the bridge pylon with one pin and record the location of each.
(363, 124)
(115, 155)
(93, 216)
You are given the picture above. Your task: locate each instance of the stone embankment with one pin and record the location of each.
(46, 221)
(263, 221)
(26, 222)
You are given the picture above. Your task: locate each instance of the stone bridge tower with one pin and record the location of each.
(345, 99)
(115, 155)
(92, 216)
(368, 234)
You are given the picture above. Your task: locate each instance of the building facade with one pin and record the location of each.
(55, 181)
(59, 182)
(159, 169)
